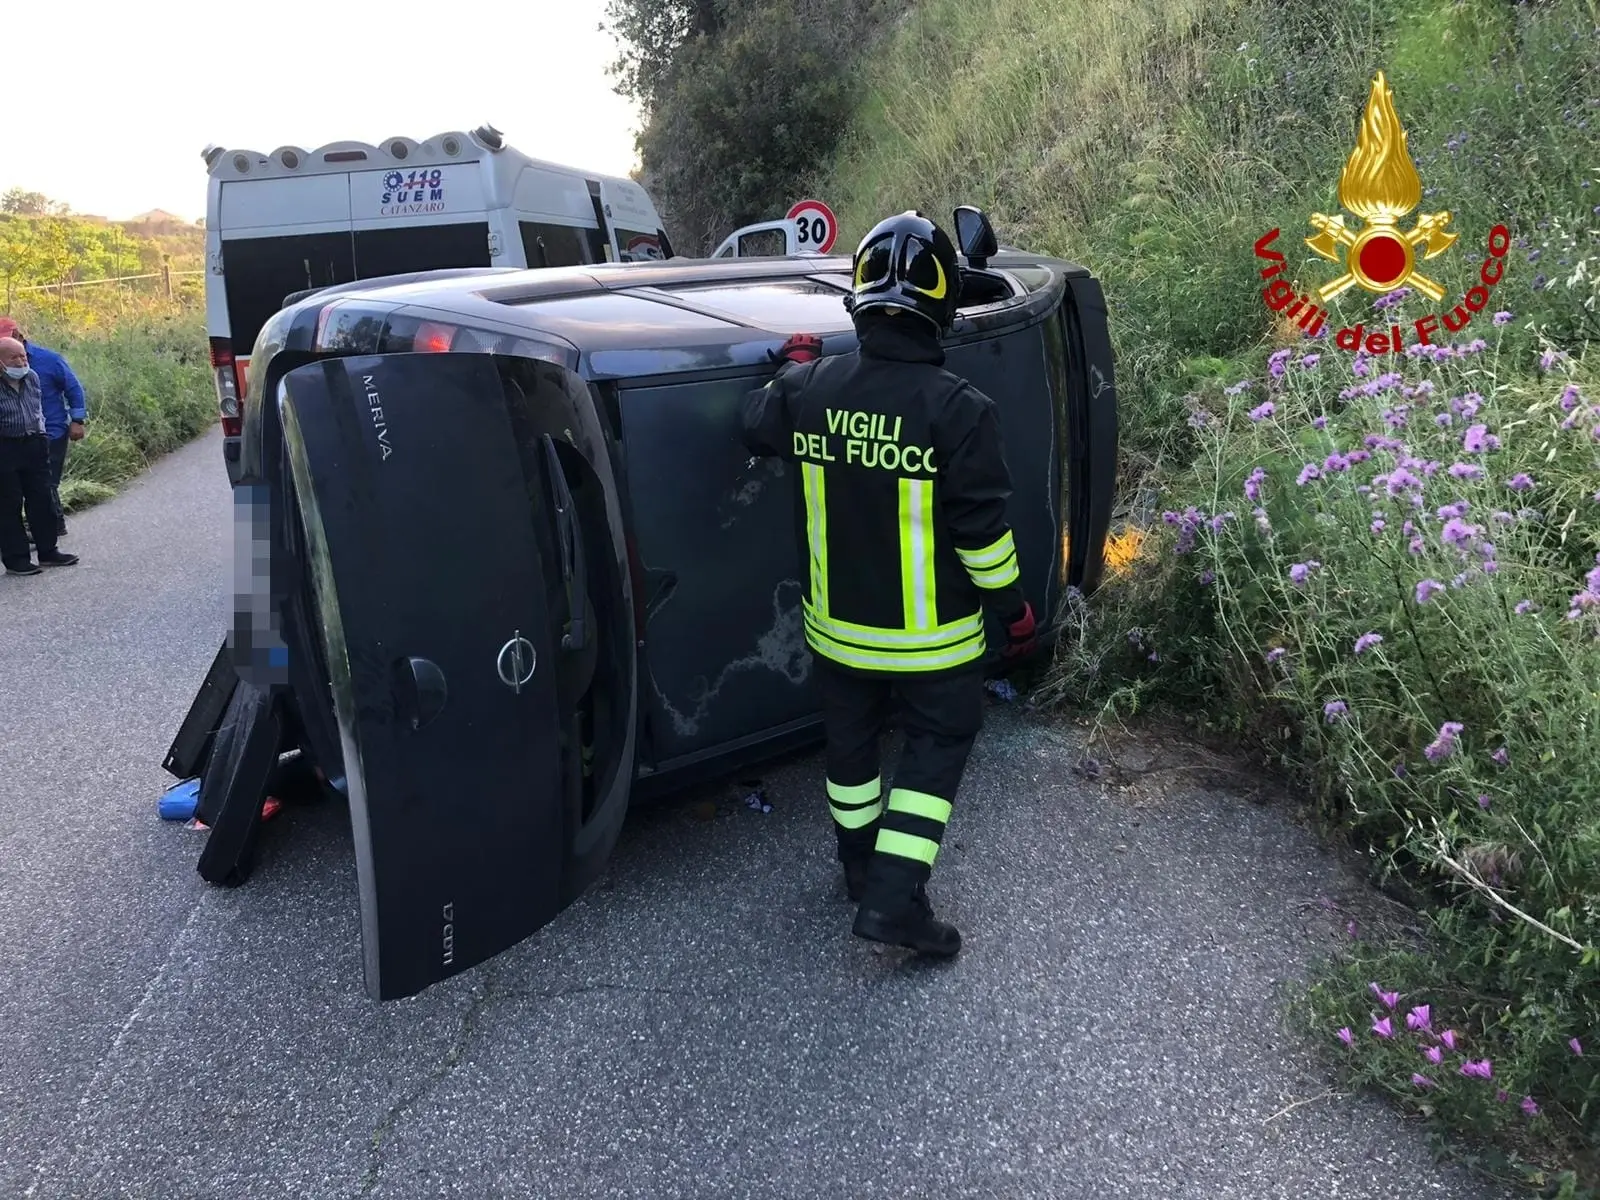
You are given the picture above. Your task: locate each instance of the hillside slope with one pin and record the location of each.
(1378, 573)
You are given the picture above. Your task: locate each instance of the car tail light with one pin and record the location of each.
(353, 326)
(230, 387)
(433, 337)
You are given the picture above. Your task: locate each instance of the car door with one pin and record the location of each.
(467, 558)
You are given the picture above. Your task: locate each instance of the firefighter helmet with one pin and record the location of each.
(907, 262)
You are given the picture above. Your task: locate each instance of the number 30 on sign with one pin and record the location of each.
(815, 226)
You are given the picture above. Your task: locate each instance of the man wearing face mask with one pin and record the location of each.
(24, 467)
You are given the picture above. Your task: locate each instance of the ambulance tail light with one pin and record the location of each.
(230, 386)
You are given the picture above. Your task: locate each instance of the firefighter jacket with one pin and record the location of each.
(901, 503)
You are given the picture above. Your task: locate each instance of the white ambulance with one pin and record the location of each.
(296, 219)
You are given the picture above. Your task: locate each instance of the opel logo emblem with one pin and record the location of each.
(516, 662)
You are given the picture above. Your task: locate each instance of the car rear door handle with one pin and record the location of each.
(419, 690)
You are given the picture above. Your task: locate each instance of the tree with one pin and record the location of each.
(651, 34)
(20, 202)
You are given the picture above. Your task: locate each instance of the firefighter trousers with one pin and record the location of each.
(940, 717)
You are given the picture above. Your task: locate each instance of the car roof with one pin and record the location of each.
(628, 319)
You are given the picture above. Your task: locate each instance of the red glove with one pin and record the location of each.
(1022, 635)
(800, 348)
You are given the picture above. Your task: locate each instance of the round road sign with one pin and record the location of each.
(815, 225)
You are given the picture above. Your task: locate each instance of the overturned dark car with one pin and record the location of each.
(504, 565)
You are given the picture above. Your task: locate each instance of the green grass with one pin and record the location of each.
(1154, 142)
(148, 384)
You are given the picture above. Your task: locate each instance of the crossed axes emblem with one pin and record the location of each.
(1332, 235)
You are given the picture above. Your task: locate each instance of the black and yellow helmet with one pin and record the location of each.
(907, 262)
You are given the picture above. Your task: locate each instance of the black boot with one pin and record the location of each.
(903, 917)
(855, 853)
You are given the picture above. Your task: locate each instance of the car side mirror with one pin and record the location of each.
(975, 236)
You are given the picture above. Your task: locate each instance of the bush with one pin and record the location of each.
(742, 98)
(1397, 562)
(149, 390)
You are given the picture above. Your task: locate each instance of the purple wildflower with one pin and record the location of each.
(1346, 1036)
(1427, 589)
(1333, 710)
(1300, 571)
(1444, 420)
(1383, 1028)
(1400, 480)
(1367, 641)
(1207, 577)
(1457, 532)
(1275, 654)
(1310, 360)
(1576, 1047)
(1389, 999)
(1420, 1017)
(1501, 756)
(1422, 1081)
(1478, 439)
(1242, 386)
(1434, 1055)
(1308, 473)
(1478, 1070)
(1319, 422)
(1466, 471)
(1549, 358)
(1483, 800)
(1448, 1037)
(1524, 607)
(1395, 418)
(1252, 486)
(1445, 743)
(1378, 525)
(1570, 397)
(1262, 411)
(1277, 361)
(1520, 482)
(1415, 546)
(1503, 317)
(1530, 1106)
(1457, 508)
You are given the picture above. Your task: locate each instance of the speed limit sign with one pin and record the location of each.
(815, 225)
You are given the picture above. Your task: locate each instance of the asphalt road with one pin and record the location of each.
(700, 1025)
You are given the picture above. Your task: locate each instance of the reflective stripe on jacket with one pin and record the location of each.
(900, 502)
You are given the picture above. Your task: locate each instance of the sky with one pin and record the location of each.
(247, 76)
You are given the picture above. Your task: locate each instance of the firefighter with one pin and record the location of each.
(901, 521)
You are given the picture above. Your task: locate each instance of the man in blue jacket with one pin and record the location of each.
(64, 412)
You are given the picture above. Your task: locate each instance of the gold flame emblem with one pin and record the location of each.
(1380, 185)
